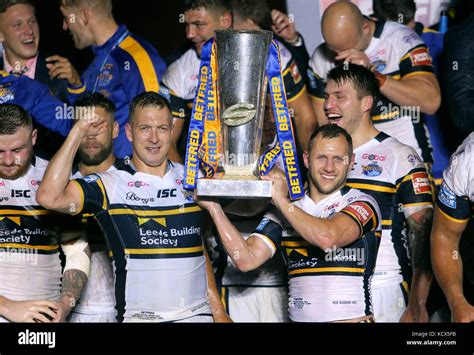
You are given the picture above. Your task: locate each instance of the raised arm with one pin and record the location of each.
(56, 191)
(247, 254)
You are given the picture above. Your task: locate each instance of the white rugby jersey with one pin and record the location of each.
(98, 296)
(30, 268)
(181, 78)
(153, 228)
(393, 174)
(397, 51)
(334, 284)
(456, 195)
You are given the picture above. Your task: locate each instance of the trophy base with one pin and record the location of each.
(237, 189)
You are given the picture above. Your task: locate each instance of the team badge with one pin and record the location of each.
(421, 183)
(372, 170)
(447, 196)
(91, 178)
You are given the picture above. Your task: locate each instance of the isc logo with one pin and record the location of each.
(166, 193)
(21, 193)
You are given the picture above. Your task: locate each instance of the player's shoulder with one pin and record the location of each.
(400, 36)
(39, 164)
(459, 174)
(321, 60)
(189, 61)
(285, 55)
(182, 75)
(359, 201)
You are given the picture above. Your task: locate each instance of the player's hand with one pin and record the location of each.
(280, 186)
(63, 308)
(462, 312)
(61, 68)
(285, 28)
(89, 123)
(354, 56)
(30, 311)
(415, 314)
(208, 204)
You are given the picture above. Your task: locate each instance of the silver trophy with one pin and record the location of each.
(242, 89)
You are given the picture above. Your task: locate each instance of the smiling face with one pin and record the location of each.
(16, 152)
(19, 32)
(150, 133)
(328, 163)
(201, 25)
(342, 105)
(74, 21)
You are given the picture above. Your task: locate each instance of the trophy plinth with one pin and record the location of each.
(234, 187)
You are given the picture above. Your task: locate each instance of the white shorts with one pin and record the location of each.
(389, 303)
(256, 304)
(197, 319)
(92, 318)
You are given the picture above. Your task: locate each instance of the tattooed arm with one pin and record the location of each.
(77, 268)
(419, 220)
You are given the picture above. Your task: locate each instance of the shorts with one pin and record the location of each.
(197, 319)
(389, 302)
(92, 318)
(256, 304)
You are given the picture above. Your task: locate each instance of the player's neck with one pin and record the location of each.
(141, 167)
(15, 62)
(370, 34)
(105, 31)
(363, 134)
(97, 169)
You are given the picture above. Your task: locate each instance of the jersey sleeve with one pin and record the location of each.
(415, 58)
(173, 80)
(141, 69)
(94, 197)
(317, 73)
(365, 212)
(270, 231)
(454, 195)
(292, 78)
(46, 107)
(413, 185)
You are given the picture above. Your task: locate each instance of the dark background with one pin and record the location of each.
(155, 21)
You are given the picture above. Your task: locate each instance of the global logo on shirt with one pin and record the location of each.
(372, 170)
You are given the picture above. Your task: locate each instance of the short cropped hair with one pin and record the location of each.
(220, 7)
(256, 10)
(362, 79)
(332, 131)
(402, 11)
(147, 99)
(103, 6)
(6, 4)
(95, 99)
(12, 118)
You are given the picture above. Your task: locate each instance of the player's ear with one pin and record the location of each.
(367, 103)
(352, 162)
(34, 137)
(306, 159)
(128, 132)
(226, 20)
(115, 131)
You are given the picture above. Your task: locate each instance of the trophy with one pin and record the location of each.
(234, 66)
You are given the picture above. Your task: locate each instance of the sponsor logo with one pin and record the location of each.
(137, 184)
(35, 182)
(2, 183)
(379, 65)
(447, 196)
(6, 95)
(166, 193)
(4, 199)
(331, 207)
(361, 211)
(372, 170)
(421, 183)
(413, 159)
(420, 57)
(262, 224)
(295, 73)
(91, 178)
(21, 193)
(132, 196)
(312, 80)
(374, 157)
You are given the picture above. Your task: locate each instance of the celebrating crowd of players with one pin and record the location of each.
(104, 231)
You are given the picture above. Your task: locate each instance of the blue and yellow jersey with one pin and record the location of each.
(123, 67)
(396, 51)
(37, 100)
(456, 195)
(333, 284)
(393, 174)
(153, 228)
(30, 268)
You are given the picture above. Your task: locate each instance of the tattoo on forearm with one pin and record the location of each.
(73, 283)
(420, 227)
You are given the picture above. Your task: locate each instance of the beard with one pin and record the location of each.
(326, 191)
(22, 169)
(96, 159)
